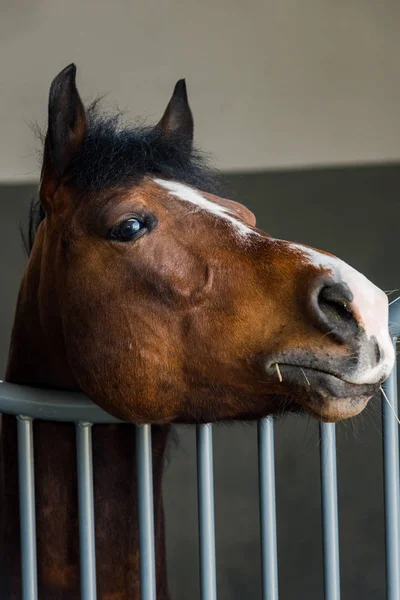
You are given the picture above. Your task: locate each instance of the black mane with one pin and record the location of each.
(114, 154)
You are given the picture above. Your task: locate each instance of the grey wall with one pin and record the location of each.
(355, 213)
(271, 83)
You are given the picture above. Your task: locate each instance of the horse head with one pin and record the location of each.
(163, 301)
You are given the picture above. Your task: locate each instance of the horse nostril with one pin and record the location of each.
(332, 310)
(378, 353)
(334, 303)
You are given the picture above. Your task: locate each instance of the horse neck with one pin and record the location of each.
(37, 357)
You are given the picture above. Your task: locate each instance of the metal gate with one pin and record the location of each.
(28, 404)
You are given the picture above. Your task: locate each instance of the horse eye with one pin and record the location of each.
(127, 230)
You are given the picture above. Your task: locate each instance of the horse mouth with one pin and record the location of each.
(325, 395)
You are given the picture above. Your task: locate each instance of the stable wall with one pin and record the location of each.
(272, 84)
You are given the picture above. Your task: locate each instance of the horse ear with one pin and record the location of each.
(66, 125)
(178, 118)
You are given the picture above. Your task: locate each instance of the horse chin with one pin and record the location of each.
(325, 396)
(334, 410)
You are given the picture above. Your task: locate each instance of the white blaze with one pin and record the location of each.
(189, 194)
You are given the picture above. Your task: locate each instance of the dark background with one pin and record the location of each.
(354, 213)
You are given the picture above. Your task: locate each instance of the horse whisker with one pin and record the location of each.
(388, 401)
(279, 372)
(305, 376)
(327, 333)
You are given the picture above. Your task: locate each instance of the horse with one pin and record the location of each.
(161, 300)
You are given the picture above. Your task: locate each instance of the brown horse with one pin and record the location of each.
(164, 303)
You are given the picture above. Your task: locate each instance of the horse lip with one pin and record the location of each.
(272, 367)
(304, 368)
(325, 395)
(317, 370)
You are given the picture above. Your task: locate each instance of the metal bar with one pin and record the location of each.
(146, 512)
(205, 492)
(330, 511)
(391, 486)
(86, 510)
(27, 508)
(50, 405)
(266, 467)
